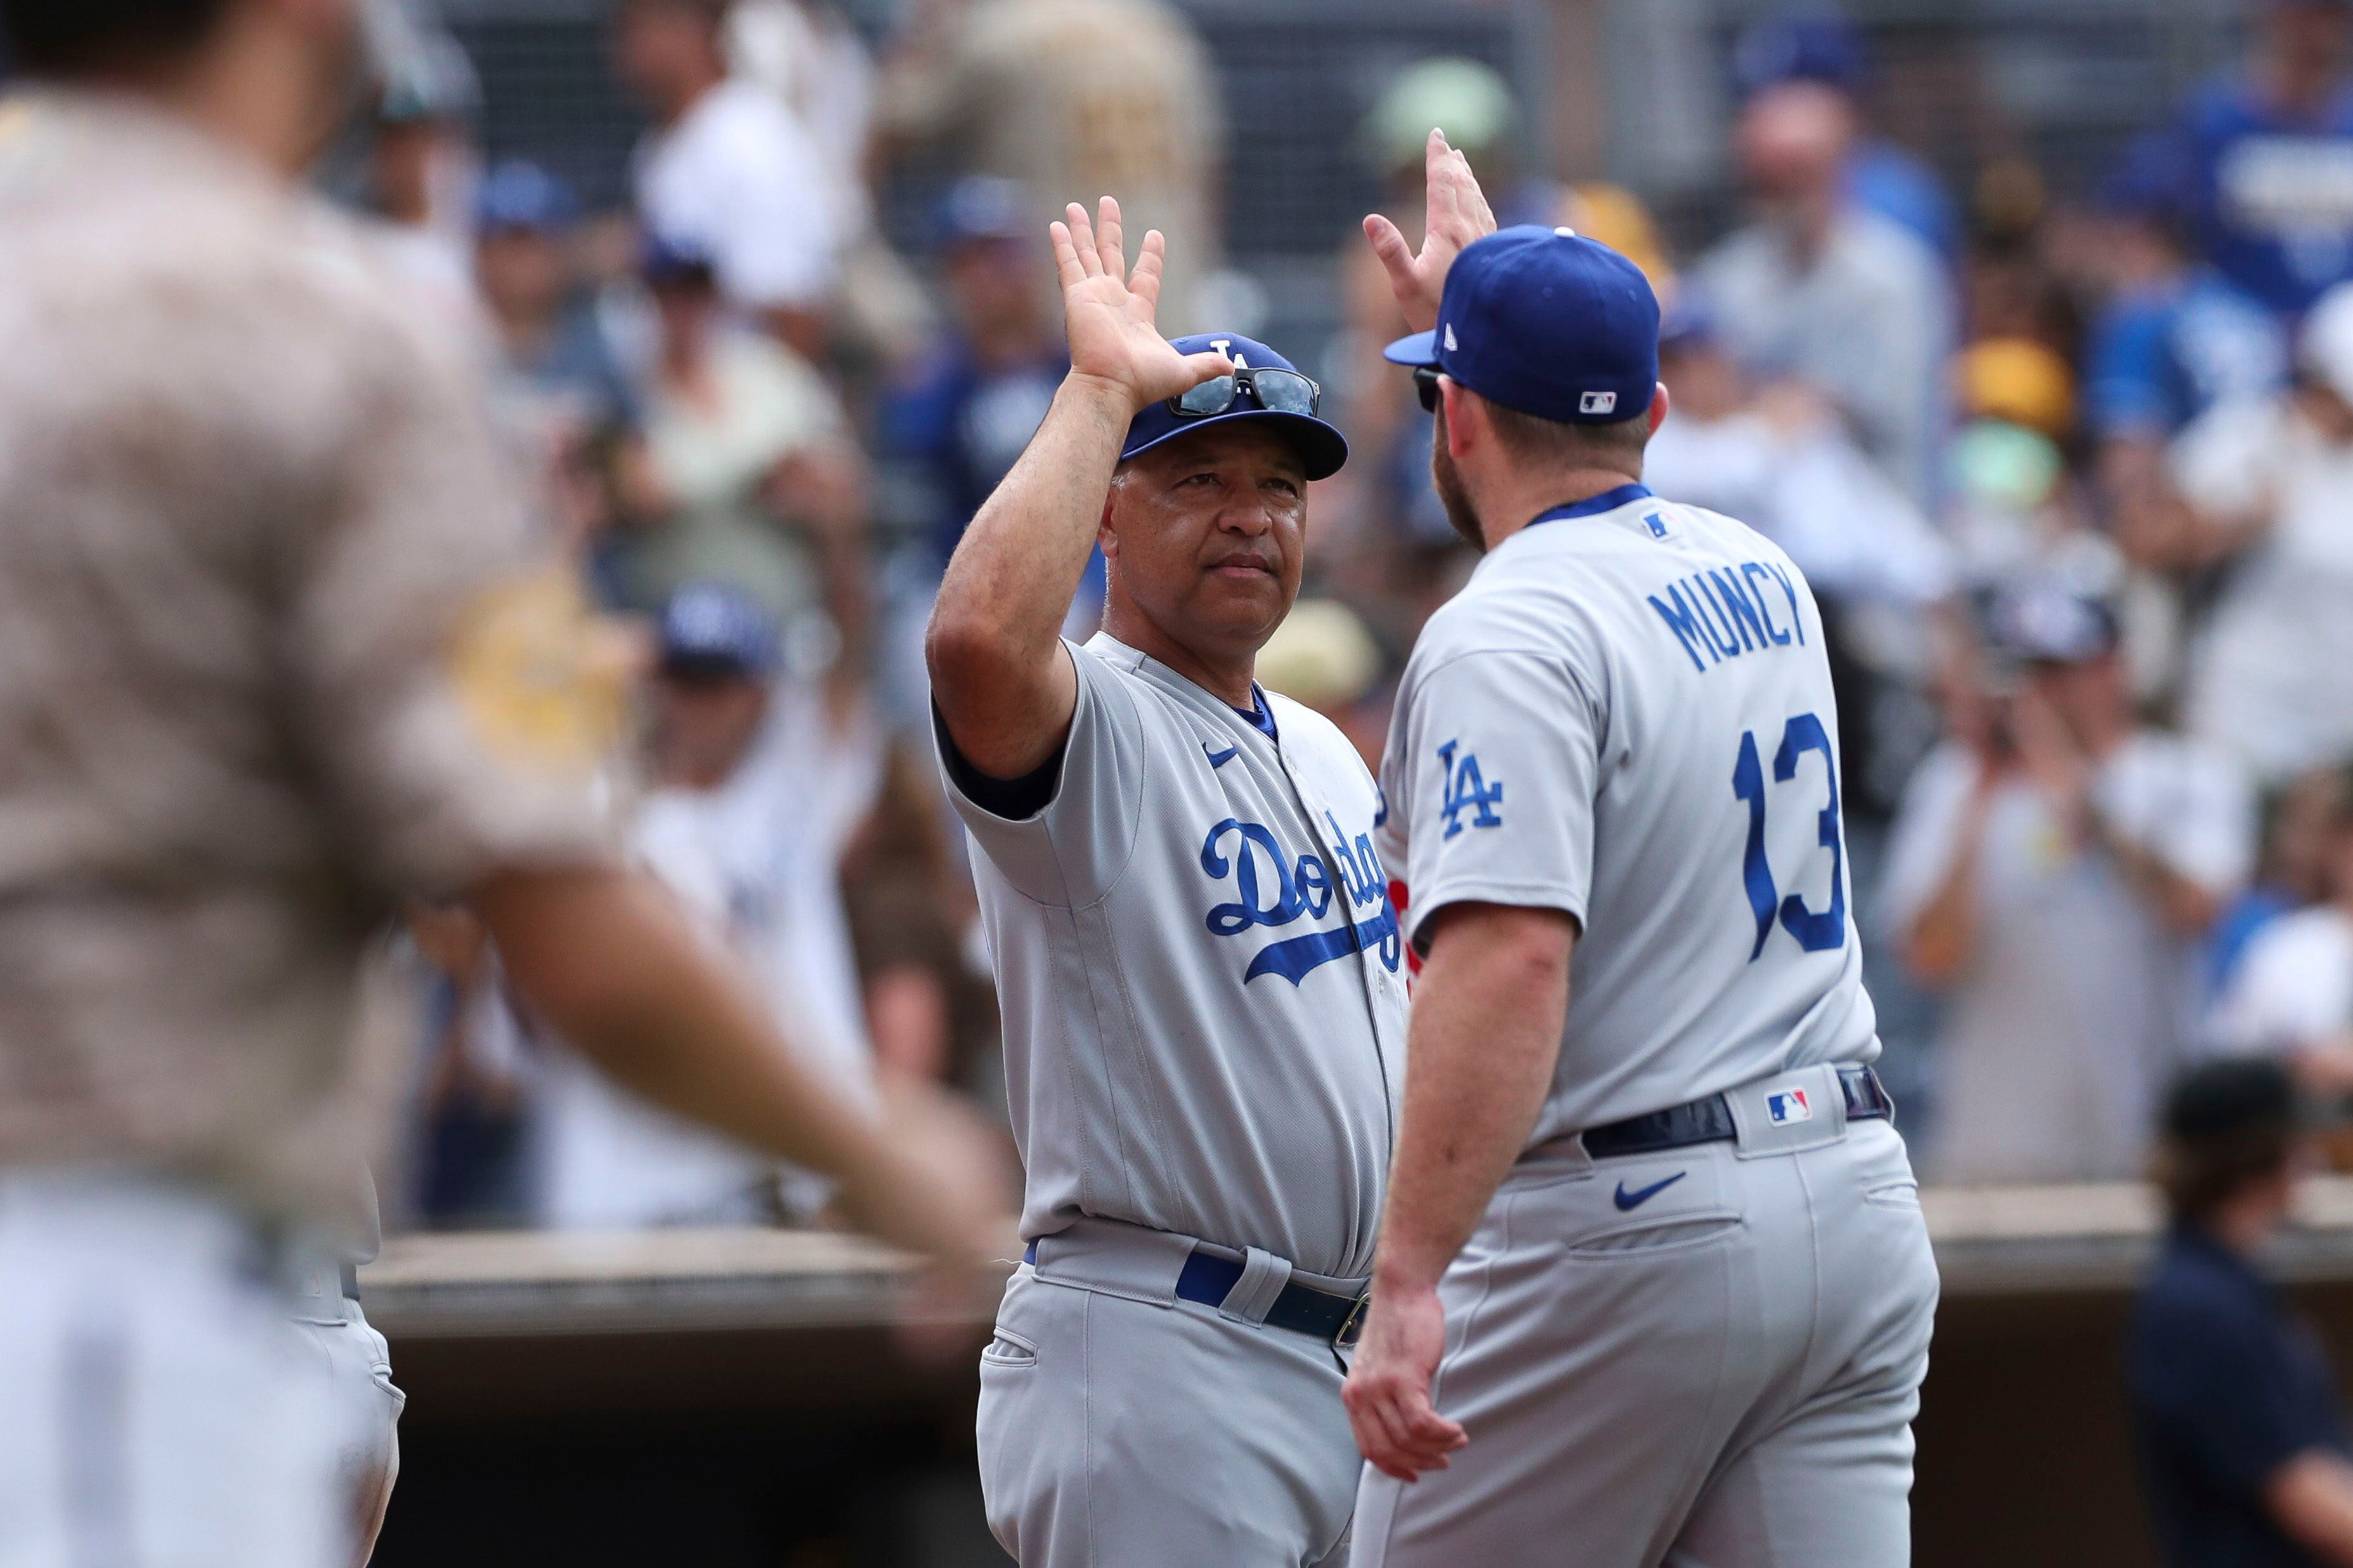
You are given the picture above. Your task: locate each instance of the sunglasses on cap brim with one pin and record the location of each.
(1425, 386)
(1276, 391)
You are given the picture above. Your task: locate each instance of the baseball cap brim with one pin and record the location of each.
(1321, 447)
(1419, 349)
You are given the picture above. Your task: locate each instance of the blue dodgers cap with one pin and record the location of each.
(518, 194)
(1810, 45)
(1548, 322)
(2045, 619)
(718, 630)
(982, 208)
(665, 259)
(1320, 444)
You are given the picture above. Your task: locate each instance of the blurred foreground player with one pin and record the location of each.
(1195, 955)
(1653, 1284)
(277, 655)
(2242, 1433)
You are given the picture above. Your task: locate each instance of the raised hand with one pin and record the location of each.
(1457, 214)
(1109, 312)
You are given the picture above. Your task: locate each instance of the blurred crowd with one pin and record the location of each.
(2070, 471)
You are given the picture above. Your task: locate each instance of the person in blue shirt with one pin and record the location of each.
(952, 429)
(2176, 337)
(2266, 158)
(2241, 1433)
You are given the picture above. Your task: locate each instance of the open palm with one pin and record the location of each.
(1456, 216)
(1109, 312)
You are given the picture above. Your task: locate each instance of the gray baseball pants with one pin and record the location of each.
(1122, 1427)
(1720, 1372)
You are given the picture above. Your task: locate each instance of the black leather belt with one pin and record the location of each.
(1209, 1279)
(1710, 1120)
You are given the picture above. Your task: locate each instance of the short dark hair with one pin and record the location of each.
(2225, 1126)
(1618, 445)
(65, 37)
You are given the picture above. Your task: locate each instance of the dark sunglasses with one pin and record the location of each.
(1276, 391)
(1425, 386)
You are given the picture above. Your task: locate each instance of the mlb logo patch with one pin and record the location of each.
(1596, 403)
(1657, 524)
(1789, 1105)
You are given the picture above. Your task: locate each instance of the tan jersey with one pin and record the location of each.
(275, 650)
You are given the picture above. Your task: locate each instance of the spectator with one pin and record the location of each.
(2014, 506)
(730, 172)
(953, 425)
(2265, 157)
(1071, 98)
(2292, 873)
(957, 420)
(469, 1166)
(1881, 176)
(1824, 292)
(2175, 338)
(1779, 459)
(762, 777)
(2241, 1431)
(422, 166)
(2271, 484)
(735, 425)
(811, 56)
(2292, 994)
(557, 380)
(2050, 870)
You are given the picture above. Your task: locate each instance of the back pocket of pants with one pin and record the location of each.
(1903, 1195)
(1676, 1234)
(1009, 1351)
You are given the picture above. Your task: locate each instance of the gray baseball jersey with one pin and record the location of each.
(1708, 1353)
(1199, 971)
(1627, 715)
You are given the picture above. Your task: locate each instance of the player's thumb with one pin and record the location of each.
(1388, 245)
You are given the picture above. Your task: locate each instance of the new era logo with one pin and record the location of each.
(1451, 344)
(1594, 402)
(1789, 1105)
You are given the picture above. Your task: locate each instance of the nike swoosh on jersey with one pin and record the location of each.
(1635, 1200)
(1219, 759)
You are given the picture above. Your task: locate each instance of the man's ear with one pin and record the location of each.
(1657, 407)
(1105, 535)
(1465, 425)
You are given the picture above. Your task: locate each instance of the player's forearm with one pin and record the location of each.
(609, 959)
(1485, 1036)
(994, 642)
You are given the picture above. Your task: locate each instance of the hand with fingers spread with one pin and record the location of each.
(1457, 214)
(1109, 312)
(1388, 1391)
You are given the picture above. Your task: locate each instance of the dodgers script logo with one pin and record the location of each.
(1275, 890)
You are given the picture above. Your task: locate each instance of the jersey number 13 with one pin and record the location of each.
(1816, 932)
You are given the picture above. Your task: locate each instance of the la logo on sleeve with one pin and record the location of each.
(1467, 789)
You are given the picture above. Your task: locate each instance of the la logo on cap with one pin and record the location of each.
(1597, 403)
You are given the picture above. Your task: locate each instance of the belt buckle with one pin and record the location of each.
(1352, 1327)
